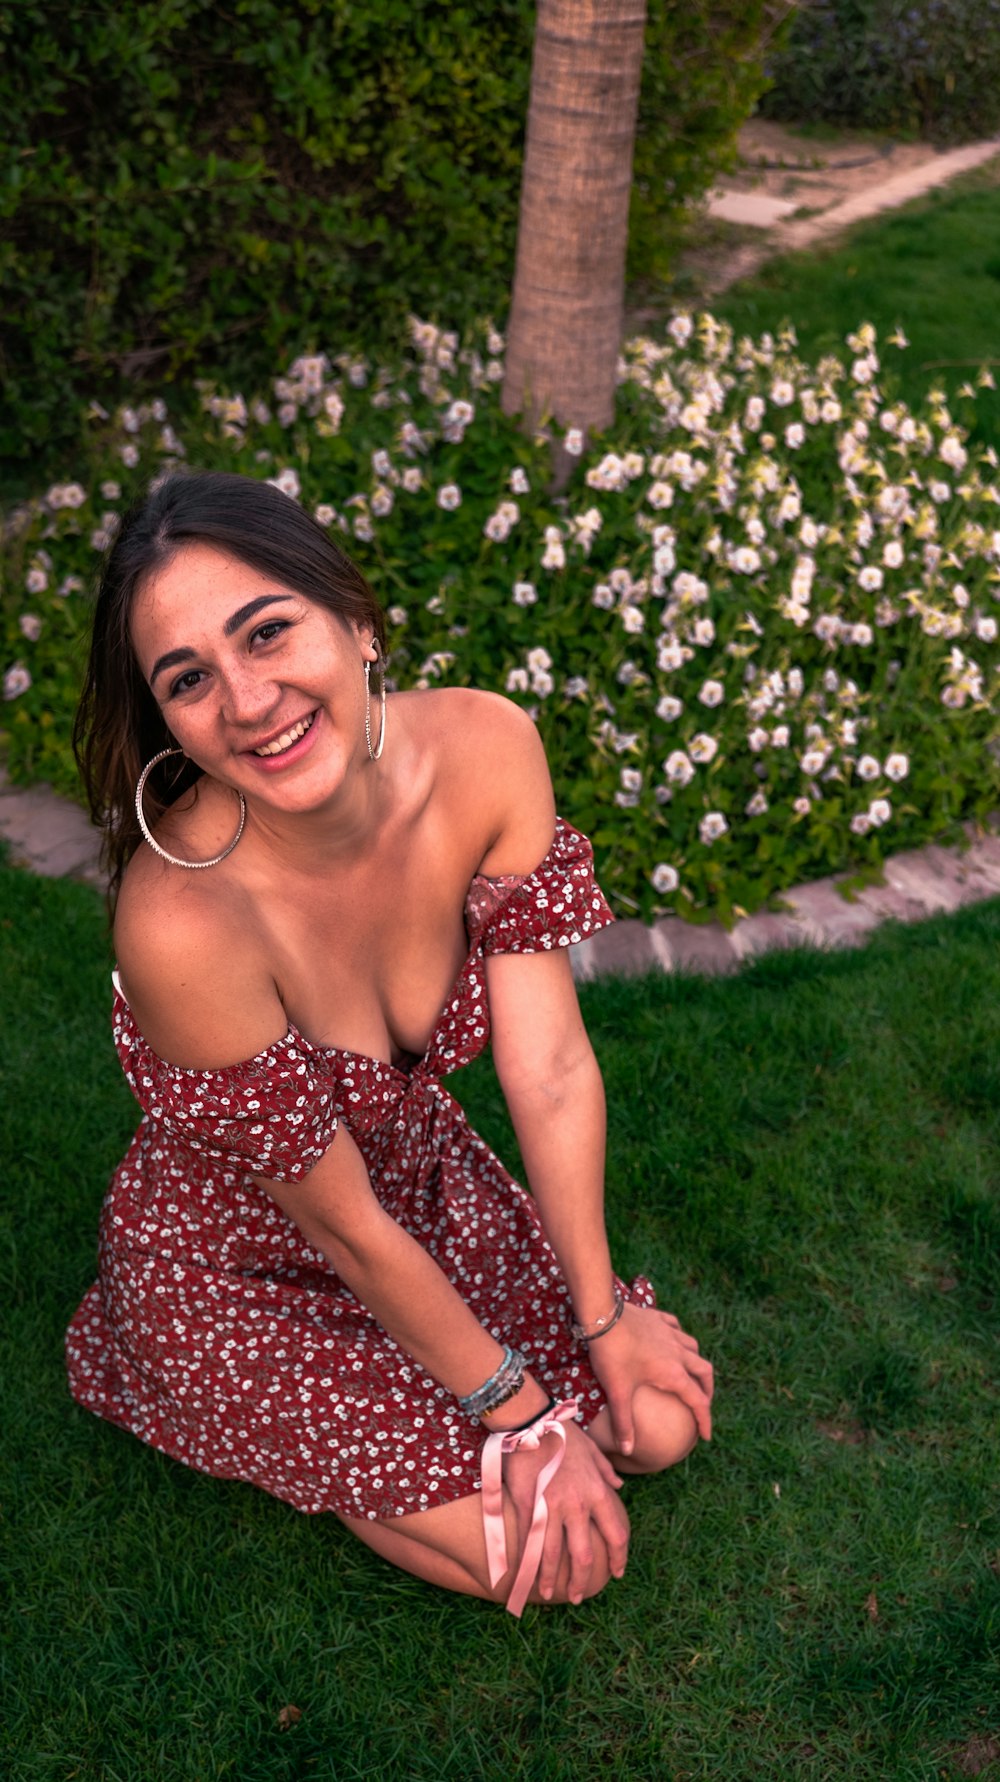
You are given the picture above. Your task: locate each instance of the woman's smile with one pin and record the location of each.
(284, 747)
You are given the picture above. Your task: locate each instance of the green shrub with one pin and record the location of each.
(929, 68)
(759, 635)
(184, 183)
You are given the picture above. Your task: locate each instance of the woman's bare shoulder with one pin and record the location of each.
(191, 967)
(492, 771)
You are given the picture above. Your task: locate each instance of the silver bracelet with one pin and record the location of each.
(602, 1325)
(502, 1385)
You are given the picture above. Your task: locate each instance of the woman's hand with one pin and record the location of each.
(648, 1348)
(582, 1504)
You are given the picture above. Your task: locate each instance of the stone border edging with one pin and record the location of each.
(55, 838)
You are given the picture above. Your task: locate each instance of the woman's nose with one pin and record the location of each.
(248, 696)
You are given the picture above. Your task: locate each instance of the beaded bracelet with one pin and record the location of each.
(603, 1325)
(500, 1386)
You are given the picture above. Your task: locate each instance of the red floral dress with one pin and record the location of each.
(219, 1335)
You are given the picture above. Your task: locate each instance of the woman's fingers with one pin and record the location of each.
(622, 1420)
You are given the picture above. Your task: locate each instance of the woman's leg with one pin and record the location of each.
(446, 1546)
(665, 1432)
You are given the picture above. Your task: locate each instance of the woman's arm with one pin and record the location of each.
(553, 1088)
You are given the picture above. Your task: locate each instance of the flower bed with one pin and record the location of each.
(758, 633)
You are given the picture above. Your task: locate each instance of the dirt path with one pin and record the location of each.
(793, 190)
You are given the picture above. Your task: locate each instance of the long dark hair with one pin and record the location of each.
(119, 725)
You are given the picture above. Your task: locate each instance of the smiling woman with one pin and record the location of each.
(313, 1275)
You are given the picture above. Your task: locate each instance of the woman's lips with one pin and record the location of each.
(294, 752)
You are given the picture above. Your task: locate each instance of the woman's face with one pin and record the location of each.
(261, 687)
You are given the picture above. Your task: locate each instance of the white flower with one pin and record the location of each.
(411, 479)
(631, 779)
(779, 736)
(397, 615)
(577, 686)
(879, 811)
(573, 442)
(381, 465)
(17, 680)
(517, 681)
(953, 453)
(70, 584)
(831, 410)
(30, 626)
(363, 528)
(678, 769)
(449, 496)
(383, 500)
(603, 596)
(633, 619)
(939, 492)
(288, 482)
(712, 693)
(111, 491)
(635, 464)
(325, 514)
(668, 708)
(538, 659)
(660, 495)
(868, 768)
(897, 766)
(860, 634)
(680, 329)
(36, 581)
(757, 805)
(542, 683)
(129, 456)
(621, 581)
(664, 878)
(892, 556)
(497, 528)
(754, 414)
(860, 824)
(745, 560)
(664, 557)
(782, 392)
(812, 762)
(703, 632)
(870, 578)
(712, 826)
(794, 435)
(524, 594)
(985, 628)
(801, 807)
(288, 413)
(518, 482)
(758, 739)
(554, 555)
(670, 655)
(703, 748)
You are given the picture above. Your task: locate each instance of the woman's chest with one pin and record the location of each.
(367, 963)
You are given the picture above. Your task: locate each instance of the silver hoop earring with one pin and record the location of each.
(192, 865)
(373, 754)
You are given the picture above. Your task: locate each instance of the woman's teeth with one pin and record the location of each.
(286, 739)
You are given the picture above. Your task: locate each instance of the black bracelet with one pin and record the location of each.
(518, 1428)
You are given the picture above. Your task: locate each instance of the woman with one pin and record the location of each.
(314, 1275)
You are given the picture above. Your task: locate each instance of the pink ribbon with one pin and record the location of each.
(507, 1442)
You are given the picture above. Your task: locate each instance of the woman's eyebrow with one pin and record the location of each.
(232, 624)
(247, 612)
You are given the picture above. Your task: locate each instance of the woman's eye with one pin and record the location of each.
(269, 630)
(185, 682)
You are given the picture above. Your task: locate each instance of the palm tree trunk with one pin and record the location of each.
(565, 327)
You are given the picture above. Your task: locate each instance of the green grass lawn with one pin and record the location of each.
(933, 265)
(807, 1159)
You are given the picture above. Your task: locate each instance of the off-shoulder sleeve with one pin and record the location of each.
(272, 1115)
(554, 906)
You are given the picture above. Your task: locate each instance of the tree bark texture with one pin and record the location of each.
(567, 310)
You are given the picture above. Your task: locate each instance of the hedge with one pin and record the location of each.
(182, 183)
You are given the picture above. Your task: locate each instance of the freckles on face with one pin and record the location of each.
(219, 641)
